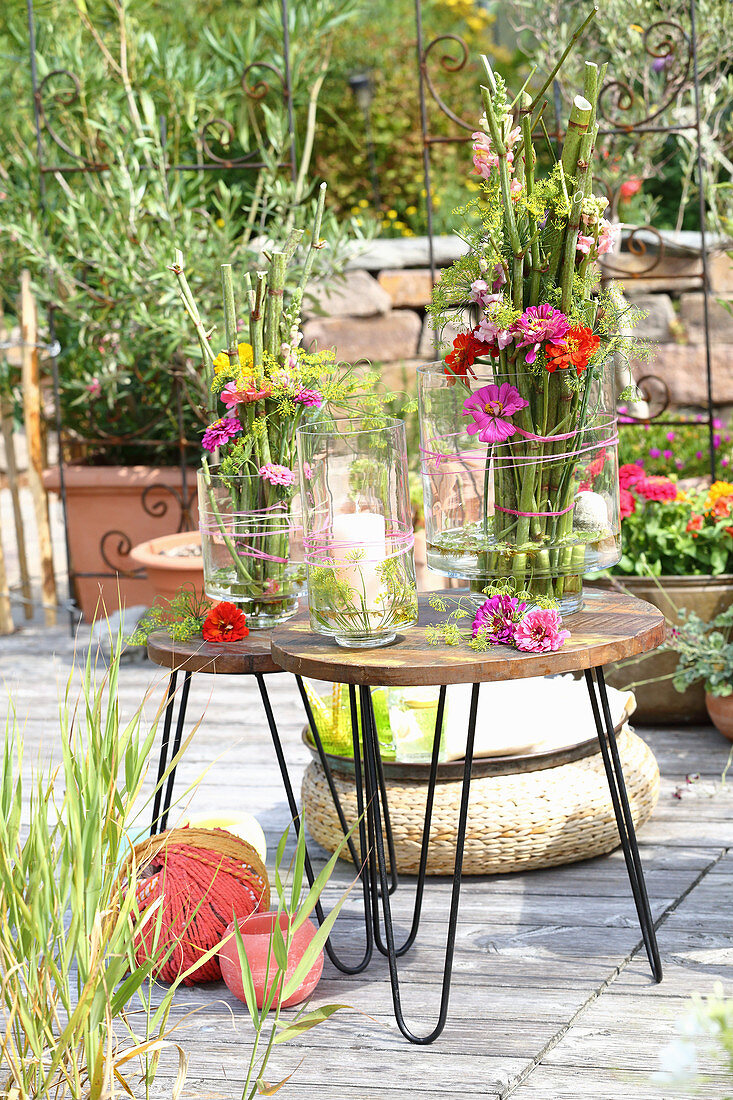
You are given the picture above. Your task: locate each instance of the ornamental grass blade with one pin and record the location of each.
(269, 1090)
(247, 982)
(319, 884)
(315, 947)
(306, 1022)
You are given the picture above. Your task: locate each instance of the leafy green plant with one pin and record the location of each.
(663, 448)
(67, 967)
(705, 652)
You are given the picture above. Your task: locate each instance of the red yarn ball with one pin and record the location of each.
(202, 892)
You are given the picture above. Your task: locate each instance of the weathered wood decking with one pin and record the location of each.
(552, 997)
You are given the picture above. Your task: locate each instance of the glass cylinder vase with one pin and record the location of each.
(358, 536)
(252, 546)
(520, 478)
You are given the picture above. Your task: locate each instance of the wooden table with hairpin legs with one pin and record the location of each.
(610, 627)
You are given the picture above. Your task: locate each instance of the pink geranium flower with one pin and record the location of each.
(539, 325)
(540, 631)
(277, 475)
(489, 409)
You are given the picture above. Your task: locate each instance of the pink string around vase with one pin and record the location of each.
(256, 933)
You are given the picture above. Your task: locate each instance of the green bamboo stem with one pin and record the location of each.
(529, 160)
(559, 63)
(500, 149)
(230, 315)
(577, 127)
(274, 304)
(191, 309)
(256, 322)
(315, 244)
(576, 210)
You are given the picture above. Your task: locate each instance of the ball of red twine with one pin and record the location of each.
(205, 878)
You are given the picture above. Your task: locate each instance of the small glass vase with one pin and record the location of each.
(535, 511)
(252, 547)
(358, 534)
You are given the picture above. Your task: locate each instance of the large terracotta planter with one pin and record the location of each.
(165, 572)
(720, 709)
(659, 702)
(110, 509)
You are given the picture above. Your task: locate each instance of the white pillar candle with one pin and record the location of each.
(363, 532)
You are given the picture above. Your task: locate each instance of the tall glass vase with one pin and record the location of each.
(252, 546)
(358, 535)
(536, 505)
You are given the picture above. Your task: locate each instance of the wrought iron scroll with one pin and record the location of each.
(46, 92)
(622, 110)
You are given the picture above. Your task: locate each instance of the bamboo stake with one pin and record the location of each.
(6, 423)
(32, 418)
(6, 617)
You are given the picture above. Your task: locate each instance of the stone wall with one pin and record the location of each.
(378, 311)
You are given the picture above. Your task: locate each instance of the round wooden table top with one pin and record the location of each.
(252, 654)
(611, 626)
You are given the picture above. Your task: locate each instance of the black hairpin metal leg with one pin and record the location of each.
(624, 819)
(160, 816)
(345, 968)
(371, 749)
(422, 870)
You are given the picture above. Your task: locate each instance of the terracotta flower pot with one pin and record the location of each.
(256, 938)
(659, 703)
(110, 509)
(720, 709)
(167, 572)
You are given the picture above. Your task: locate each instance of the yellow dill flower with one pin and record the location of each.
(245, 359)
(717, 490)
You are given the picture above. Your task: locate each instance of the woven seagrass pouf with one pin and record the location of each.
(516, 821)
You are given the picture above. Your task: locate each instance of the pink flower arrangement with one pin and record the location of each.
(277, 475)
(220, 432)
(539, 325)
(497, 618)
(540, 631)
(489, 409)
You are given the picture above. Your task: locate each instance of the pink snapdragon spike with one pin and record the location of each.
(489, 408)
(479, 292)
(540, 631)
(539, 325)
(277, 475)
(220, 432)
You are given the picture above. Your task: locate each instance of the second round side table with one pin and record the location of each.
(610, 627)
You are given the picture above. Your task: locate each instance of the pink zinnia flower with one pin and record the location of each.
(489, 407)
(220, 432)
(628, 504)
(538, 325)
(310, 398)
(629, 474)
(540, 632)
(497, 618)
(656, 488)
(232, 397)
(277, 475)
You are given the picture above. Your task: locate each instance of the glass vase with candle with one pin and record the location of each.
(358, 538)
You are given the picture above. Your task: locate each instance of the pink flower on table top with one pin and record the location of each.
(628, 504)
(497, 617)
(540, 631)
(220, 432)
(489, 408)
(537, 325)
(312, 399)
(277, 475)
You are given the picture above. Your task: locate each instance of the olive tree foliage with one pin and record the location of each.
(131, 90)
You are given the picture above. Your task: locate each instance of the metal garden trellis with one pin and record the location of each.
(211, 161)
(664, 41)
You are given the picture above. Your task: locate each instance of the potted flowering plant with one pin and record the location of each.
(524, 404)
(249, 518)
(705, 656)
(678, 555)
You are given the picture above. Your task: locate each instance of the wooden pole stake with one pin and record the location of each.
(32, 417)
